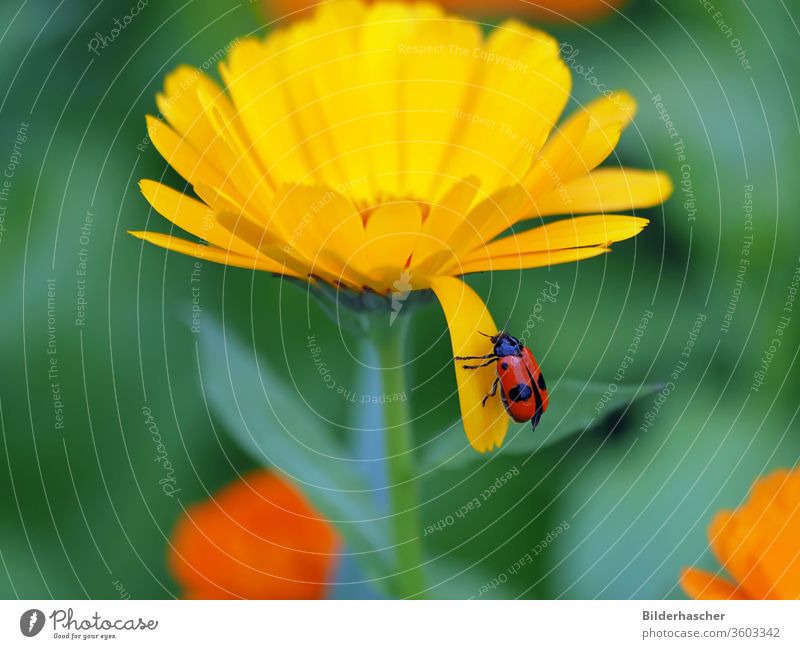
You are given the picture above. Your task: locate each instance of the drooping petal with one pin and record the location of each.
(606, 190)
(466, 314)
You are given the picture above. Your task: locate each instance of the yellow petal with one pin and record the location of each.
(182, 156)
(341, 98)
(297, 66)
(619, 106)
(382, 103)
(521, 86)
(486, 220)
(325, 228)
(312, 230)
(276, 250)
(282, 253)
(381, 98)
(530, 259)
(466, 314)
(567, 233)
(256, 86)
(211, 253)
(271, 237)
(582, 142)
(219, 201)
(597, 144)
(434, 80)
(606, 190)
(387, 28)
(185, 102)
(242, 165)
(180, 106)
(192, 216)
(389, 238)
(433, 248)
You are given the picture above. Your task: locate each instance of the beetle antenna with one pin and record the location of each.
(483, 334)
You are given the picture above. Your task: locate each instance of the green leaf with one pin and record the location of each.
(279, 429)
(575, 407)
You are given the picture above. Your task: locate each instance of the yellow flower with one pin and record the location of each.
(552, 10)
(376, 146)
(757, 544)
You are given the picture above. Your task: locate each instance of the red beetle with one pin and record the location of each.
(522, 386)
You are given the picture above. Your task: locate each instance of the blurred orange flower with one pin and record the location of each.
(258, 538)
(757, 544)
(551, 10)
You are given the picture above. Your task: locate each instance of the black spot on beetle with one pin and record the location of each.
(504, 366)
(520, 392)
(540, 382)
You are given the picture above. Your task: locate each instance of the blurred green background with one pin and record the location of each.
(82, 508)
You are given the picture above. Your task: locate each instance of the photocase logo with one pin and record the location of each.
(31, 622)
(402, 288)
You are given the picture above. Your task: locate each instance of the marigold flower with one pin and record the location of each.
(370, 145)
(257, 538)
(758, 545)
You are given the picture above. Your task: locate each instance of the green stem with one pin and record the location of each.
(403, 482)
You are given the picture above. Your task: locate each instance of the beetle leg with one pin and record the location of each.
(475, 358)
(475, 367)
(492, 393)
